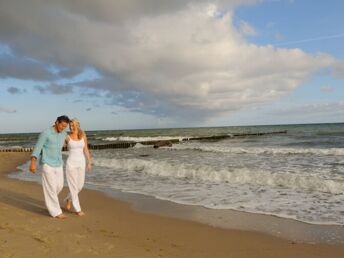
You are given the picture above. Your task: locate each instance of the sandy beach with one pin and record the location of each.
(112, 229)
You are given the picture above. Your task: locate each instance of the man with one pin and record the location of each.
(50, 143)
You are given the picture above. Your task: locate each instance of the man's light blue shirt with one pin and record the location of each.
(50, 143)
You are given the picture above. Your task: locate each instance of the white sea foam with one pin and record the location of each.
(261, 150)
(252, 191)
(206, 173)
(139, 146)
(11, 147)
(143, 139)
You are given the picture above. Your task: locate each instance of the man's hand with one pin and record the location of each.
(33, 167)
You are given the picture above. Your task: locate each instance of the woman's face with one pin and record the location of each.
(72, 127)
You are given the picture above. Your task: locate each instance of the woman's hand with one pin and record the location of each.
(89, 167)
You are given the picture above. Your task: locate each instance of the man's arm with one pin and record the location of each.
(37, 151)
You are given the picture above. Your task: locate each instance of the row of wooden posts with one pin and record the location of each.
(121, 145)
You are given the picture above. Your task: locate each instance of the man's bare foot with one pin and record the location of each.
(68, 205)
(80, 213)
(61, 216)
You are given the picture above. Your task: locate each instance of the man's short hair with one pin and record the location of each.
(63, 118)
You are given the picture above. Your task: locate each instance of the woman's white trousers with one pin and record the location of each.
(75, 174)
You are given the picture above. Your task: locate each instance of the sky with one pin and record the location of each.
(159, 64)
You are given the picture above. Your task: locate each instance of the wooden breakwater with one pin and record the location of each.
(16, 150)
(115, 145)
(123, 145)
(119, 145)
(157, 141)
(225, 136)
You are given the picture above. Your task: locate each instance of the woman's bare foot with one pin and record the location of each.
(80, 213)
(61, 216)
(68, 205)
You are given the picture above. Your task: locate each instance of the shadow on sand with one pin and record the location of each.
(22, 201)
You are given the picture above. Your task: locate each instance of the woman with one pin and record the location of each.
(75, 165)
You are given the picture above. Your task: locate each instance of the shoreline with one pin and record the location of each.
(273, 225)
(113, 228)
(285, 228)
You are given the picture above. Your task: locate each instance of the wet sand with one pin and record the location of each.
(111, 228)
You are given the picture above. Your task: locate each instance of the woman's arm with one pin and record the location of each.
(87, 154)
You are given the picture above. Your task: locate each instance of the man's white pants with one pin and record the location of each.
(75, 175)
(52, 182)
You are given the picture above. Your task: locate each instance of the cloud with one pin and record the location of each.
(246, 29)
(332, 108)
(166, 58)
(7, 110)
(55, 89)
(15, 90)
(338, 70)
(23, 68)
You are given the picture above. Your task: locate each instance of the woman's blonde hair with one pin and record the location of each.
(76, 123)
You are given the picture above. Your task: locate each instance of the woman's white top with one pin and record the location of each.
(76, 154)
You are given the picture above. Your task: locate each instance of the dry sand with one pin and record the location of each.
(111, 228)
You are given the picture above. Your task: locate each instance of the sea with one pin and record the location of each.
(297, 175)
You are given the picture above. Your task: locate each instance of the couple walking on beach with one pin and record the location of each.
(50, 143)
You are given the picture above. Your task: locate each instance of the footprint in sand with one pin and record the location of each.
(79, 236)
(109, 233)
(114, 235)
(77, 250)
(7, 227)
(88, 229)
(93, 251)
(41, 239)
(109, 247)
(9, 255)
(21, 214)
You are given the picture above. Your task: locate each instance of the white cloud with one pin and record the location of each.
(183, 54)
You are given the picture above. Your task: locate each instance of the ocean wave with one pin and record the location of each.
(206, 173)
(259, 151)
(143, 139)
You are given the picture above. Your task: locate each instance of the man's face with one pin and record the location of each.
(61, 126)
